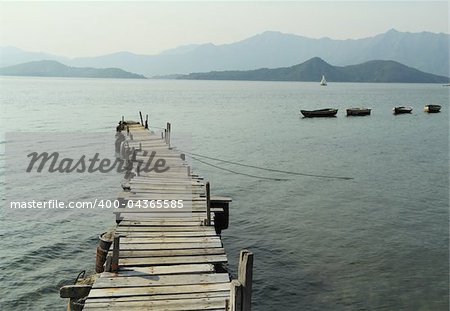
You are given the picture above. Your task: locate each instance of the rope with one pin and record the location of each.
(264, 168)
(80, 275)
(238, 173)
(159, 128)
(255, 167)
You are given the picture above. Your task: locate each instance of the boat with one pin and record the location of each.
(358, 111)
(432, 108)
(327, 112)
(323, 82)
(402, 109)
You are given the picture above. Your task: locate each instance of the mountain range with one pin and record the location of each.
(313, 69)
(51, 68)
(426, 51)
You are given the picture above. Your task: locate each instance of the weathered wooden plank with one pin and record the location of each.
(161, 222)
(179, 224)
(188, 180)
(155, 246)
(161, 280)
(179, 304)
(165, 234)
(140, 240)
(161, 193)
(165, 186)
(135, 197)
(187, 213)
(161, 270)
(222, 294)
(186, 208)
(172, 260)
(173, 252)
(137, 217)
(176, 234)
(161, 290)
(158, 229)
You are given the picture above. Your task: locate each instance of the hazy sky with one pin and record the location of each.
(95, 28)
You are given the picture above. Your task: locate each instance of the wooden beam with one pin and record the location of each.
(235, 303)
(108, 264)
(245, 277)
(115, 256)
(140, 115)
(74, 291)
(208, 204)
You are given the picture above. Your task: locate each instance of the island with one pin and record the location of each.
(50, 68)
(382, 71)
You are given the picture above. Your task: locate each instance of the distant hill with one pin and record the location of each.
(313, 69)
(50, 68)
(425, 51)
(10, 55)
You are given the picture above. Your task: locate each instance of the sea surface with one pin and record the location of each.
(378, 241)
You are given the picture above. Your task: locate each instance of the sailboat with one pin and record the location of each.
(323, 82)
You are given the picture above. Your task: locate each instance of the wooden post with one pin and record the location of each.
(221, 207)
(169, 133)
(235, 303)
(245, 277)
(108, 264)
(123, 119)
(183, 156)
(162, 135)
(146, 121)
(189, 170)
(115, 257)
(140, 115)
(208, 204)
(128, 130)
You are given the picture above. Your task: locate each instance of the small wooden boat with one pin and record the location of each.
(432, 108)
(358, 111)
(327, 112)
(402, 109)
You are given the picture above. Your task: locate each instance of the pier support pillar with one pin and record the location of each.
(115, 256)
(245, 277)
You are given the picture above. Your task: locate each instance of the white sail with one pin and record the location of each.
(323, 81)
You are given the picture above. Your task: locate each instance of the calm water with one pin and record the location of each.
(376, 242)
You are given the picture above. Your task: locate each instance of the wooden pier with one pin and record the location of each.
(164, 258)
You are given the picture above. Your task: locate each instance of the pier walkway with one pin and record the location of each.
(165, 258)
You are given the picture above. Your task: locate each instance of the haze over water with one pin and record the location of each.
(377, 241)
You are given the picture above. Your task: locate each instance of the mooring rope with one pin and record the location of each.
(234, 172)
(191, 154)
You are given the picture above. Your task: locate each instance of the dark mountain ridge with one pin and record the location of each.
(50, 68)
(426, 51)
(313, 69)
